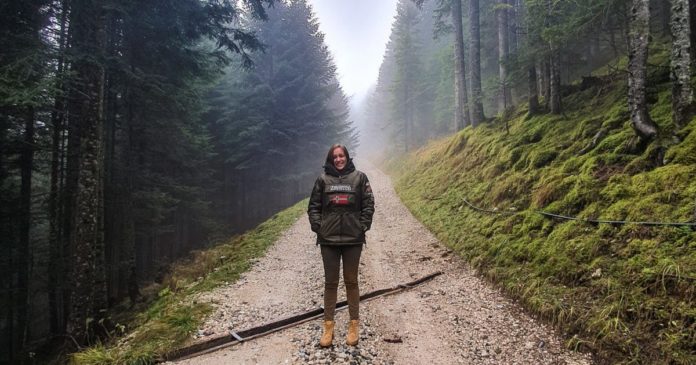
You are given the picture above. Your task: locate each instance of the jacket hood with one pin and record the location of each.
(331, 169)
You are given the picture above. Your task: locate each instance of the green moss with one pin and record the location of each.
(542, 158)
(571, 165)
(532, 135)
(617, 116)
(684, 152)
(587, 128)
(624, 292)
(618, 187)
(513, 156)
(551, 188)
(611, 143)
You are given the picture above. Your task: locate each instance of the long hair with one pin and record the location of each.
(329, 156)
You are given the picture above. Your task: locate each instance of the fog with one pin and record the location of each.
(356, 33)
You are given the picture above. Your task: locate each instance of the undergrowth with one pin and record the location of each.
(624, 292)
(168, 323)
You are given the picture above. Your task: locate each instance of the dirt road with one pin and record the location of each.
(454, 319)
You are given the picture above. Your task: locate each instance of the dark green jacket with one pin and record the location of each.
(341, 206)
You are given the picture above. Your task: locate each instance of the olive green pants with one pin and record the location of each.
(332, 256)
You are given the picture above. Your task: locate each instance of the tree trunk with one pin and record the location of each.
(461, 110)
(664, 16)
(593, 47)
(114, 213)
(555, 82)
(407, 118)
(56, 244)
(4, 127)
(86, 112)
(533, 93)
(680, 63)
(637, 70)
(692, 25)
(513, 19)
(475, 63)
(545, 83)
(22, 269)
(6, 249)
(56, 263)
(502, 19)
(531, 40)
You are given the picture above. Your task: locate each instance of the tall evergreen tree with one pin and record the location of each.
(22, 75)
(85, 110)
(461, 111)
(505, 96)
(475, 63)
(281, 115)
(453, 10)
(405, 86)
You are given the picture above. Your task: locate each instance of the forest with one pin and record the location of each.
(551, 145)
(501, 54)
(133, 133)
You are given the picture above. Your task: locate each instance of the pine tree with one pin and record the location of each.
(85, 109)
(22, 74)
(475, 63)
(461, 111)
(281, 116)
(405, 87)
(503, 48)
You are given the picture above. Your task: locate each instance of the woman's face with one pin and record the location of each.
(339, 158)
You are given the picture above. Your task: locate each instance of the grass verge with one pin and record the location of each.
(171, 319)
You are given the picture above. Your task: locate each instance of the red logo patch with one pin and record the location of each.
(341, 199)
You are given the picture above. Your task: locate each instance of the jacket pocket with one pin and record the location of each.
(353, 228)
(329, 227)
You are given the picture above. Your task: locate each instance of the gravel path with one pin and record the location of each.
(454, 319)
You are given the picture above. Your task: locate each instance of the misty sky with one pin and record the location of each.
(356, 33)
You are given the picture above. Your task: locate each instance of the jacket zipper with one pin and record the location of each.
(340, 217)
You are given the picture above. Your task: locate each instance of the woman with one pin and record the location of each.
(340, 212)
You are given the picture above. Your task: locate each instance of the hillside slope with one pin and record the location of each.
(626, 291)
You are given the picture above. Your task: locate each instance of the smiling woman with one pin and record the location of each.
(340, 212)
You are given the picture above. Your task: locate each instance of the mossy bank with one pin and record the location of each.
(623, 291)
(170, 320)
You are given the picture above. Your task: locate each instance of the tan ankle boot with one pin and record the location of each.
(327, 337)
(353, 332)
